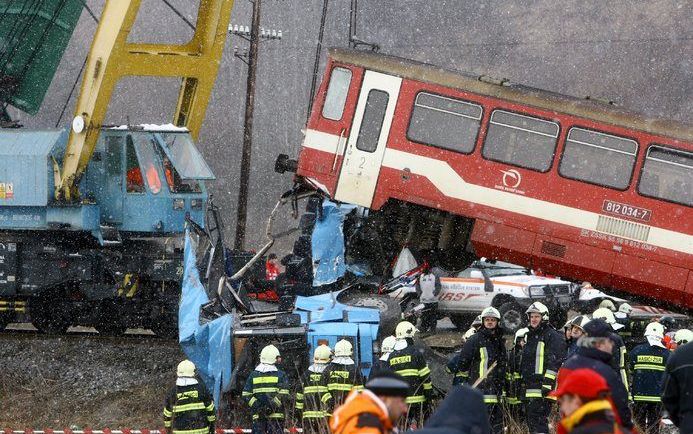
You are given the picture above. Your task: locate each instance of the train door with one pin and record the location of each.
(368, 137)
(112, 201)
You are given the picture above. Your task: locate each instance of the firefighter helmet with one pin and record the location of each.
(490, 312)
(388, 344)
(654, 329)
(607, 304)
(579, 322)
(186, 368)
(343, 348)
(521, 334)
(668, 322)
(605, 314)
(269, 355)
(477, 322)
(540, 308)
(625, 308)
(405, 329)
(322, 354)
(683, 336)
(469, 333)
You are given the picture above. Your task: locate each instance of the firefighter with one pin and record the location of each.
(375, 409)
(408, 361)
(341, 376)
(682, 337)
(678, 384)
(647, 363)
(577, 325)
(309, 401)
(514, 385)
(266, 392)
(386, 347)
(623, 318)
(607, 304)
(542, 355)
(669, 324)
(479, 353)
(619, 356)
(188, 408)
(429, 287)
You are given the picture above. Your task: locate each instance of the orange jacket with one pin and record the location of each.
(361, 413)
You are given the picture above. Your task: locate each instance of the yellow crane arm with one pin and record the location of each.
(111, 57)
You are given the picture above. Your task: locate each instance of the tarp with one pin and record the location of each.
(208, 345)
(327, 243)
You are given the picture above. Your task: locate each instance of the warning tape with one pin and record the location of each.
(129, 431)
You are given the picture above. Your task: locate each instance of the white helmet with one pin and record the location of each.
(269, 355)
(521, 334)
(405, 329)
(579, 322)
(683, 336)
(186, 368)
(607, 304)
(654, 329)
(343, 348)
(490, 312)
(388, 345)
(322, 354)
(625, 308)
(605, 314)
(469, 333)
(538, 307)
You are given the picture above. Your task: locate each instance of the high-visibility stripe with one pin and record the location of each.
(211, 418)
(416, 399)
(271, 416)
(533, 393)
(265, 390)
(539, 359)
(428, 386)
(252, 401)
(283, 391)
(188, 407)
(191, 431)
(647, 367)
(339, 386)
(299, 405)
(313, 414)
(326, 397)
(646, 398)
(408, 372)
(314, 389)
(210, 407)
(167, 412)
(167, 424)
(246, 393)
(550, 374)
(462, 374)
(299, 396)
(490, 399)
(483, 362)
(424, 371)
(265, 380)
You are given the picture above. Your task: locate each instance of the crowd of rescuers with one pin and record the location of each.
(597, 386)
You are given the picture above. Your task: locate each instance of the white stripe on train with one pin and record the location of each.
(451, 184)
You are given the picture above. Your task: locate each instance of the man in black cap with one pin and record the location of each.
(594, 352)
(377, 408)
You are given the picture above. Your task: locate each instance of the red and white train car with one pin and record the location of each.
(570, 186)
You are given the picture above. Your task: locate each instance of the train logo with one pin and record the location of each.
(511, 178)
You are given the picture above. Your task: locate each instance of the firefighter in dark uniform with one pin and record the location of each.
(266, 392)
(309, 401)
(481, 351)
(341, 376)
(623, 318)
(619, 357)
(542, 356)
(408, 361)
(647, 363)
(678, 388)
(188, 407)
(386, 348)
(514, 387)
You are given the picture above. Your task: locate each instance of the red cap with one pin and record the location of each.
(584, 383)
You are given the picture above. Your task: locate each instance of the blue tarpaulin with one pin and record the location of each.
(327, 244)
(208, 346)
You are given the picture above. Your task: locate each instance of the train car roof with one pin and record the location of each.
(586, 108)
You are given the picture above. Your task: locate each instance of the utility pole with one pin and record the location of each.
(242, 208)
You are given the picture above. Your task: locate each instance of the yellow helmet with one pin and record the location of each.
(269, 355)
(388, 344)
(405, 329)
(322, 354)
(343, 348)
(186, 368)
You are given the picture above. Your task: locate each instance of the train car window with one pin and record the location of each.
(667, 174)
(372, 121)
(444, 122)
(337, 92)
(521, 140)
(598, 158)
(133, 173)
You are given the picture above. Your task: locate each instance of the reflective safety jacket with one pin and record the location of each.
(266, 394)
(619, 358)
(312, 398)
(647, 363)
(340, 380)
(478, 354)
(542, 356)
(514, 386)
(410, 363)
(458, 377)
(189, 409)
